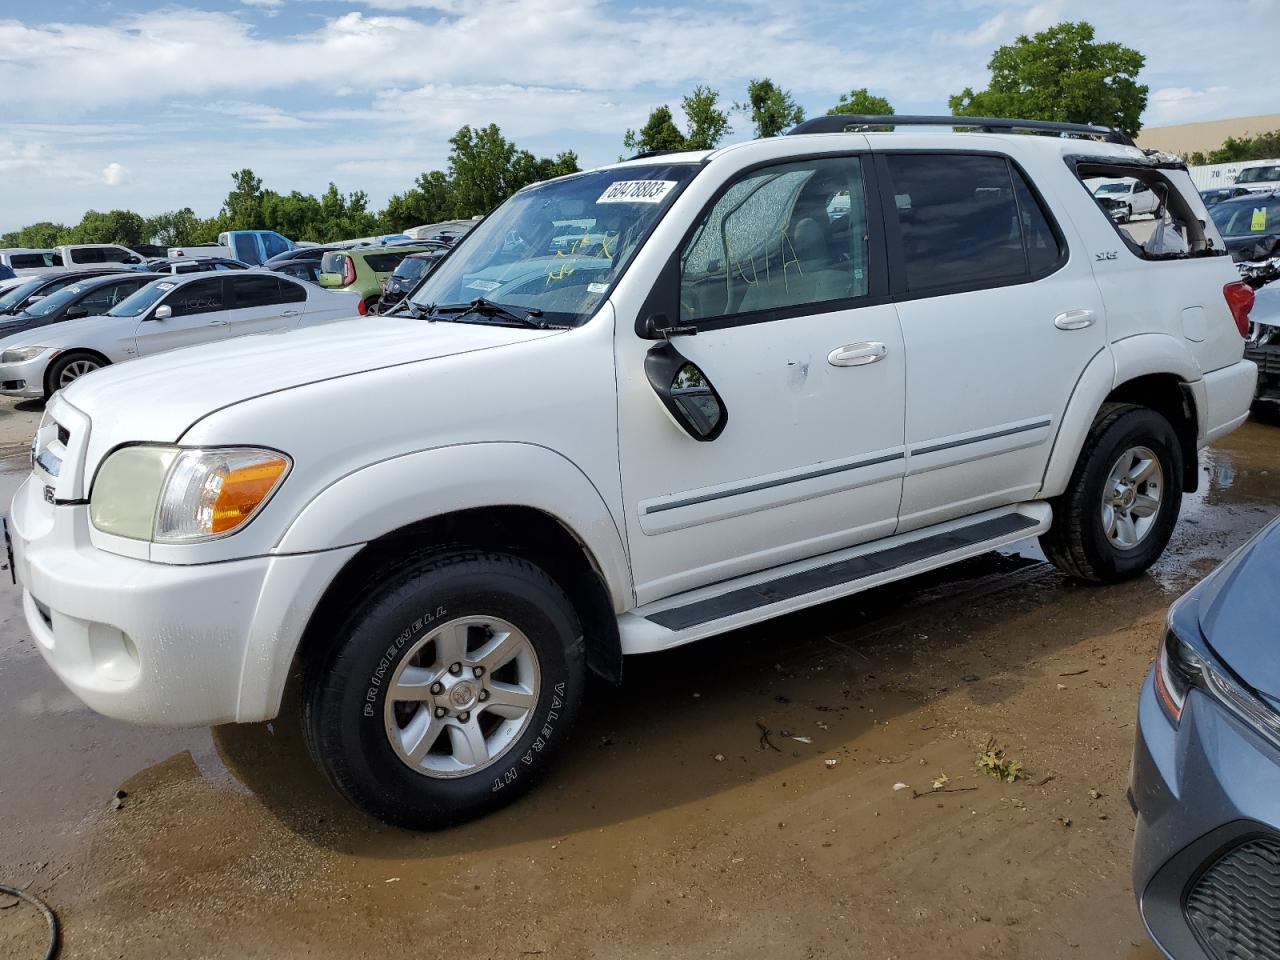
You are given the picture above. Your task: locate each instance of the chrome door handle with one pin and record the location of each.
(217, 323)
(857, 354)
(1075, 319)
(291, 313)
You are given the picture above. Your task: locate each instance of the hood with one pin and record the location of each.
(159, 397)
(11, 324)
(1238, 612)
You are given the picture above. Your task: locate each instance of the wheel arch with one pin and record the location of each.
(1151, 370)
(49, 388)
(512, 497)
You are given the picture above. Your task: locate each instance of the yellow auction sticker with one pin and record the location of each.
(1259, 221)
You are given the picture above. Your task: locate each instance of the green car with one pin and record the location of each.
(363, 269)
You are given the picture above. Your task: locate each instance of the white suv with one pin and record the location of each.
(760, 378)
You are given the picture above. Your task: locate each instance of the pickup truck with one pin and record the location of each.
(254, 247)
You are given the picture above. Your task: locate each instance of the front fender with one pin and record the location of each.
(383, 497)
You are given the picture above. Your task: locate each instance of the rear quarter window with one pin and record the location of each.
(1173, 231)
(383, 262)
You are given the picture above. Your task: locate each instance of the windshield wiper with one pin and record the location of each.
(487, 308)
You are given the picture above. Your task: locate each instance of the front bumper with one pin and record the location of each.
(161, 644)
(1200, 791)
(24, 379)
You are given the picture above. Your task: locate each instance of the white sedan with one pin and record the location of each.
(165, 315)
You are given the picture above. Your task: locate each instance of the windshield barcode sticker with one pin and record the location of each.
(485, 285)
(637, 191)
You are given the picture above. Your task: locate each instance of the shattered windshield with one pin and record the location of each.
(557, 247)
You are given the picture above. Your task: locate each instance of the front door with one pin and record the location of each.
(999, 322)
(783, 280)
(199, 316)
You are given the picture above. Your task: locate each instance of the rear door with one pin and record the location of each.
(999, 318)
(245, 246)
(262, 302)
(199, 316)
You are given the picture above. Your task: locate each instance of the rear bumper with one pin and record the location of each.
(1200, 790)
(1226, 395)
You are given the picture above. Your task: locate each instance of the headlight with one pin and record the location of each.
(1180, 667)
(21, 354)
(182, 495)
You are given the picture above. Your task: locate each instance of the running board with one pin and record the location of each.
(735, 603)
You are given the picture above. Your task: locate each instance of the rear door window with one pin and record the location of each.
(29, 261)
(255, 290)
(291, 292)
(967, 222)
(88, 255)
(245, 246)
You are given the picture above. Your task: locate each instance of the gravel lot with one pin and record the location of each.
(672, 828)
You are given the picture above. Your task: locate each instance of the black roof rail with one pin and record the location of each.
(840, 123)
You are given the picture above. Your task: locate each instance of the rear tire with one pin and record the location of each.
(447, 693)
(373, 305)
(1120, 506)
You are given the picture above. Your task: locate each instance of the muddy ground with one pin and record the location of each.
(669, 829)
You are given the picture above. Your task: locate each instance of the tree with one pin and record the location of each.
(429, 201)
(708, 124)
(480, 167)
(660, 133)
(243, 206)
(40, 235)
(772, 109)
(114, 226)
(1061, 74)
(1263, 146)
(175, 228)
(862, 102)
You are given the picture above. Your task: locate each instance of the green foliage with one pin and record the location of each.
(114, 226)
(772, 109)
(430, 201)
(485, 168)
(1264, 146)
(1061, 74)
(708, 125)
(659, 133)
(993, 761)
(38, 235)
(175, 228)
(862, 102)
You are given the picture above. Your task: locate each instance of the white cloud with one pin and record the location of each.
(114, 174)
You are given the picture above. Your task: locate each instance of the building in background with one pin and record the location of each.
(1186, 138)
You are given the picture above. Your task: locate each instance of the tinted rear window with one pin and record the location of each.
(383, 262)
(28, 261)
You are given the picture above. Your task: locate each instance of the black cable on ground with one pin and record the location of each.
(50, 917)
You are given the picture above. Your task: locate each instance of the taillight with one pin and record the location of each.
(348, 271)
(1239, 301)
(363, 309)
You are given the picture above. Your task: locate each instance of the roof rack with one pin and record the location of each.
(840, 123)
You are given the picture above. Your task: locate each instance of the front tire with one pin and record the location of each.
(1120, 506)
(447, 693)
(68, 368)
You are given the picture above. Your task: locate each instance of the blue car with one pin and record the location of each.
(1205, 782)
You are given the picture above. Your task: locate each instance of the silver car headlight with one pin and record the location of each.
(169, 494)
(21, 354)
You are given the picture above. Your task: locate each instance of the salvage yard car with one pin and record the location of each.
(363, 270)
(1127, 198)
(741, 397)
(165, 314)
(1250, 225)
(1206, 767)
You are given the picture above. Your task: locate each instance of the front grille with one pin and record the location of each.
(1235, 905)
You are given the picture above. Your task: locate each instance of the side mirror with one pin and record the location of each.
(685, 392)
(163, 312)
(75, 313)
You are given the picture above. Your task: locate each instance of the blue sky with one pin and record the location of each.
(150, 106)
